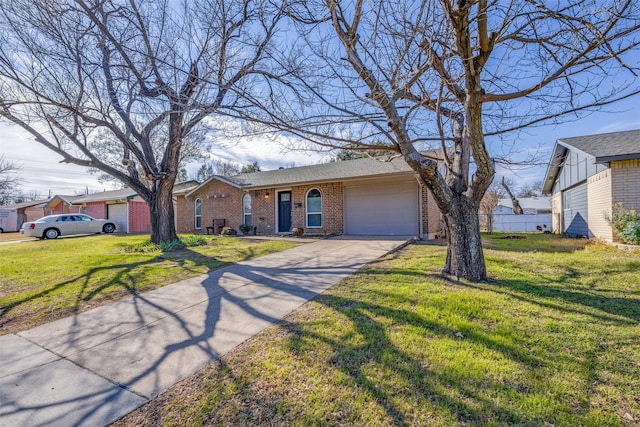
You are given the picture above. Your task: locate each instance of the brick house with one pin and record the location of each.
(124, 207)
(362, 196)
(62, 205)
(30, 211)
(588, 176)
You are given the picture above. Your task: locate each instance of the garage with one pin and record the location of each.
(575, 214)
(381, 207)
(119, 214)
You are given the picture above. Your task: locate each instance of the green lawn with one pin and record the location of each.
(552, 339)
(41, 281)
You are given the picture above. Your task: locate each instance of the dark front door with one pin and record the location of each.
(284, 211)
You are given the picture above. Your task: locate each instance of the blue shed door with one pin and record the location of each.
(575, 216)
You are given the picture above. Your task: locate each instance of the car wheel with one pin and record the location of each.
(51, 233)
(109, 228)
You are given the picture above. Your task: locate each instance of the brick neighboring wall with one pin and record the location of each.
(33, 213)
(625, 185)
(599, 199)
(556, 213)
(139, 219)
(97, 210)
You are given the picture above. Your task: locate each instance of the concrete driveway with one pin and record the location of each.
(94, 368)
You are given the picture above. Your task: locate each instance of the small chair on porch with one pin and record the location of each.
(216, 226)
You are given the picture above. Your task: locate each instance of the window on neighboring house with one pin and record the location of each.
(314, 208)
(246, 204)
(198, 214)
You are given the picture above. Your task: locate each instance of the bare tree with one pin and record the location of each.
(517, 209)
(458, 76)
(250, 167)
(120, 85)
(490, 202)
(531, 190)
(9, 181)
(215, 167)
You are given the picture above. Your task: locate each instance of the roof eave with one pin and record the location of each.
(324, 181)
(620, 157)
(559, 152)
(214, 177)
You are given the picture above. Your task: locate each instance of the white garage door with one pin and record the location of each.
(383, 208)
(118, 214)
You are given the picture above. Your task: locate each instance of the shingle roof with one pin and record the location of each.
(326, 172)
(104, 196)
(27, 204)
(334, 171)
(607, 146)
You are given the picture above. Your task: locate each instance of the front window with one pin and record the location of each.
(198, 213)
(314, 208)
(246, 204)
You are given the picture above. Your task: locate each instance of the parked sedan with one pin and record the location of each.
(52, 226)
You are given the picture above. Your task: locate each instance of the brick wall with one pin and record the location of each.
(32, 213)
(430, 214)
(599, 198)
(556, 211)
(263, 210)
(139, 219)
(97, 210)
(263, 203)
(219, 201)
(332, 213)
(185, 212)
(625, 185)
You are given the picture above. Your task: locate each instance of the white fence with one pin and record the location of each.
(519, 223)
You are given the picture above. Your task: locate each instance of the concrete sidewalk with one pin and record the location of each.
(93, 368)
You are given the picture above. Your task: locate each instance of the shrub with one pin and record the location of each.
(172, 245)
(245, 228)
(625, 224)
(630, 233)
(228, 231)
(186, 240)
(193, 240)
(144, 247)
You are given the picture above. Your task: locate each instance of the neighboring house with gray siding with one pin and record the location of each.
(588, 176)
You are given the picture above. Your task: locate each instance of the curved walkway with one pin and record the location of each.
(94, 368)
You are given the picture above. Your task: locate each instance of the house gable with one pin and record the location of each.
(588, 176)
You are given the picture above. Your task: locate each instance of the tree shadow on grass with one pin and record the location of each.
(557, 292)
(460, 397)
(533, 242)
(121, 282)
(149, 341)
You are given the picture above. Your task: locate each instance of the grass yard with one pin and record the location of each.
(41, 281)
(552, 340)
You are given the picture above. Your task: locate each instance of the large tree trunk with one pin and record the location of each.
(161, 211)
(465, 258)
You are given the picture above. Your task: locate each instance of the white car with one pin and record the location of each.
(52, 226)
